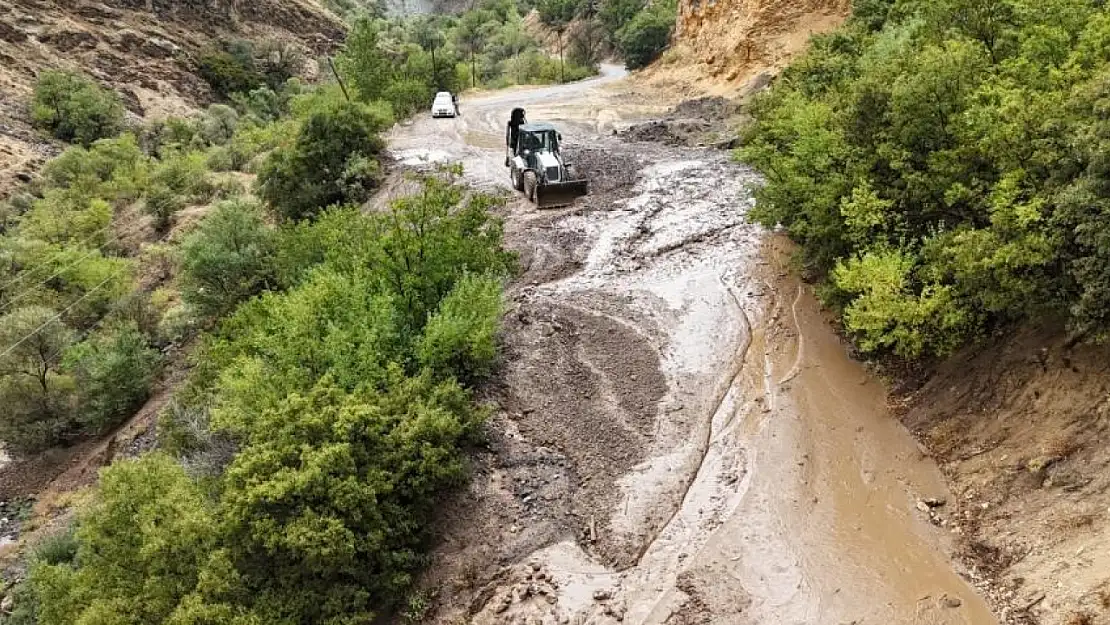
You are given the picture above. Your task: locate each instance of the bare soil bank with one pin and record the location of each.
(1020, 428)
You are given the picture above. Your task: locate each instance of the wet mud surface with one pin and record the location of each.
(679, 437)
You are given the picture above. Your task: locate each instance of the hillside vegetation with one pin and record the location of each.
(328, 406)
(941, 165)
(636, 30)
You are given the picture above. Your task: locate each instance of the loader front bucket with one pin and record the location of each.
(556, 194)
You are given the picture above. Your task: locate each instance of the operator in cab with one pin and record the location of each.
(516, 120)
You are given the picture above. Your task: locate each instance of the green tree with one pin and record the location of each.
(113, 371)
(74, 108)
(328, 502)
(647, 34)
(460, 338)
(227, 259)
(230, 68)
(429, 241)
(37, 394)
(301, 180)
(363, 63)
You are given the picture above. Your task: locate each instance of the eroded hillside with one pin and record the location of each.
(145, 49)
(721, 44)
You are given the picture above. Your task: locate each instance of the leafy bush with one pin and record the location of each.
(218, 124)
(300, 180)
(408, 96)
(387, 455)
(278, 61)
(241, 66)
(939, 164)
(163, 203)
(177, 180)
(143, 547)
(74, 108)
(64, 215)
(261, 105)
(230, 69)
(220, 159)
(460, 338)
(163, 138)
(644, 38)
(185, 174)
(337, 395)
(56, 548)
(113, 370)
(109, 167)
(227, 259)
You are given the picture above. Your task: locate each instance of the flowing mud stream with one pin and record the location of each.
(682, 438)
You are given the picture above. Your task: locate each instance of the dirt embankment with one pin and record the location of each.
(145, 49)
(1020, 429)
(721, 45)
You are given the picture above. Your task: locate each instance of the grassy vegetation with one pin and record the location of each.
(940, 165)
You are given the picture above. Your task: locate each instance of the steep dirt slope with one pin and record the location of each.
(720, 45)
(1020, 429)
(145, 49)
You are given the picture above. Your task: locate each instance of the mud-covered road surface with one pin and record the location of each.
(680, 437)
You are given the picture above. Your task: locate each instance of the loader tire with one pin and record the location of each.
(530, 185)
(518, 180)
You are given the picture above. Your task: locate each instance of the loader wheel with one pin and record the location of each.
(518, 180)
(530, 185)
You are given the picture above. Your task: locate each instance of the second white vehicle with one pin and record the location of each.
(444, 105)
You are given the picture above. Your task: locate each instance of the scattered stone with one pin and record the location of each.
(602, 595)
(935, 502)
(951, 602)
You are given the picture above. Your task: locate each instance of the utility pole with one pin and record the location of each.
(435, 74)
(562, 75)
(338, 79)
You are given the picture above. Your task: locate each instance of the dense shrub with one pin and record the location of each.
(59, 547)
(113, 371)
(339, 399)
(647, 34)
(143, 547)
(177, 180)
(242, 66)
(227, 259)
(230, 69)
(460, 338)
(218, 124)
(300, 180)
(937, 162)
(74, 108)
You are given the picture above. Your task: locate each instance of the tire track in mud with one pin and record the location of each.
(799, 353)
(740, 359)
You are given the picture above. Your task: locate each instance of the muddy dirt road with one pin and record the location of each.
(681, 438)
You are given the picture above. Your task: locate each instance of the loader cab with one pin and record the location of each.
(536, 138)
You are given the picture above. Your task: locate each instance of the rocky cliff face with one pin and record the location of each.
(145, 49)
(737, 39)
